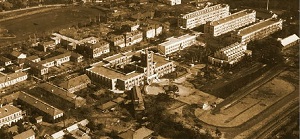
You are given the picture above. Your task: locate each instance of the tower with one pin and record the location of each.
(147, 61)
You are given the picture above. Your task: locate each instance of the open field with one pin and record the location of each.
(250, 105)
(47, 22)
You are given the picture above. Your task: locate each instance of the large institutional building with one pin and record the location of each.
(200, 17)
(229, 55)
(230, 23)
(257, 31)
(124, 71)
(175, 44)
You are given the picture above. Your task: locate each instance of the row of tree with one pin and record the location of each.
(17, 4)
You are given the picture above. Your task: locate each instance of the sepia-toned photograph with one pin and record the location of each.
(149, 69)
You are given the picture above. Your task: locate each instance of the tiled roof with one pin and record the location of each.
(11, 76)
(39, 104)
(8, 110)
(82, 79)
(25, 134)
(4, 59)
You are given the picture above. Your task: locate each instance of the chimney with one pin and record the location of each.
(6, 110)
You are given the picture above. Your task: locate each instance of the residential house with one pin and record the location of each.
(9, 114)
(141, 133)
(133, 37)
(151, 31)
(15, 55)
(37, 68)
(29, 134)
(34, 58)
(11, 79)
(5, 61)
(48, 45)
(131, 26)
(75, 57)
(116, 40)
(56, 60)
(76, 84)
(170, 2)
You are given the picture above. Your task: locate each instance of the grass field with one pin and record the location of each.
(46, 22)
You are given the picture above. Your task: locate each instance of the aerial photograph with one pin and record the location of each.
(149, 69)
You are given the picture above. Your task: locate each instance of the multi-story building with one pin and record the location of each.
(257, 31)
(170, 2)
(56, 60)
(229, 55)
(9, 114)
(133, 37)
(96, 50)
(131, 69)
(151, 31)
(200, 17)
(230, 23)
(173, 44)
(50, 112)
(11, 79)
(131, 26)
(76, 84)
(29, 134)
(116, 40)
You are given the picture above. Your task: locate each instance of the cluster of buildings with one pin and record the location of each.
(125, 70)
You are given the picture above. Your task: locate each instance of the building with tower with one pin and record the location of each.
(126, 70)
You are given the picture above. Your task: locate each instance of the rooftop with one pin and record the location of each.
(141, 133)
(82, 79)
(12, 76)
(289, 39)
(232, 17)
(8, 110)
(25, 134)
(101, 70)
(258, 26)
(55, 57)
(173, 40)
(39, 104)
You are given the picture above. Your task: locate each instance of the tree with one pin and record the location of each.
(7, 5)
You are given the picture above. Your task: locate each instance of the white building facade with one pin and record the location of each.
(230, 23)
(202, 16)
(175, 44)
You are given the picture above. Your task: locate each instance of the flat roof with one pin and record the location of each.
(160, 60)
(173, 40)
(289, 39)
(101, 70)
(232, 17)
(257, 26)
